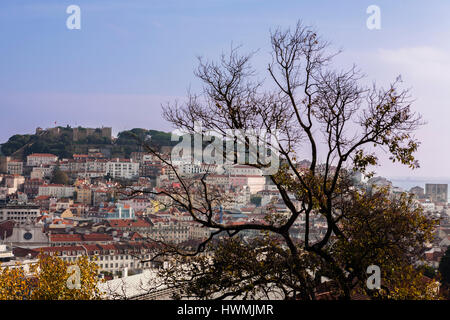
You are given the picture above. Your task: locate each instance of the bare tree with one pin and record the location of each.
(312, 108)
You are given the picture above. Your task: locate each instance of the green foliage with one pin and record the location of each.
(388, 232)
(137, 135)
(233, 268)
(63, 146)
(48, 280)
(59, 177)
(131, 141)
(336, 117)
(377, 229)
(16, 142)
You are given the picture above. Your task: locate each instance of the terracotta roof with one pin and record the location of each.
(123, 223)
(6, 228)
(107, 246)
(97, 237)
(42, 198)
(42, 155)
(23, 252)
(131, 245)
(55, 185)
(65, 237)
(136, 236)
(80, 237)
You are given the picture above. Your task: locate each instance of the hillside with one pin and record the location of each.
(65, 141)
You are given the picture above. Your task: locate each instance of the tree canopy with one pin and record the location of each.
(63, 146)
(48, 280)
(59, 177)
(328, 116)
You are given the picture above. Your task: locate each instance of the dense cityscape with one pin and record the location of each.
(70, 207)
(224, 159)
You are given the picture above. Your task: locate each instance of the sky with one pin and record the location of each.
(129, 57)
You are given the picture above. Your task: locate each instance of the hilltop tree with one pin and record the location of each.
(59, 177)
(63, 145)
(338, 124)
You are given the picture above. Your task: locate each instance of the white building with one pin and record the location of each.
(56, 190)
(112, 258)
(189, 168)
(142, 286)
(19, 213)
(428, 206)
(41, 172)
(15, 167)
(243, 170)
(37, 159)
(122, 168)
(13, 183)
(6, 253)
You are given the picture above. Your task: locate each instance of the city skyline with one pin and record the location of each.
(129, 58)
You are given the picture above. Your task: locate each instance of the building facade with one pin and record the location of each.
(19, 213)
(38, 159)
(437, 192)
(56, 190)
(122, 169)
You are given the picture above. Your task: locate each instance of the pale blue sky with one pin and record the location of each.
(131, 56)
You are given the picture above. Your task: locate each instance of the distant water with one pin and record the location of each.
(408, 183)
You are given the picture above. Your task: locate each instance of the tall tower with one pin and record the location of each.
(437, 192)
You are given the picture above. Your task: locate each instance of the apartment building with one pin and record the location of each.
(38, 159)
(73, 239)
(437, 192)
(31, 186)
(173, 231)
(130, 225)
(10, 166)
(19, 213)
(122, 169)
(111, 258)
(14, 167)
(84, 194)
(56, 190)
(14, 181)
(189, 168)
(42, 171)
(254, 183)
(241, 170)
